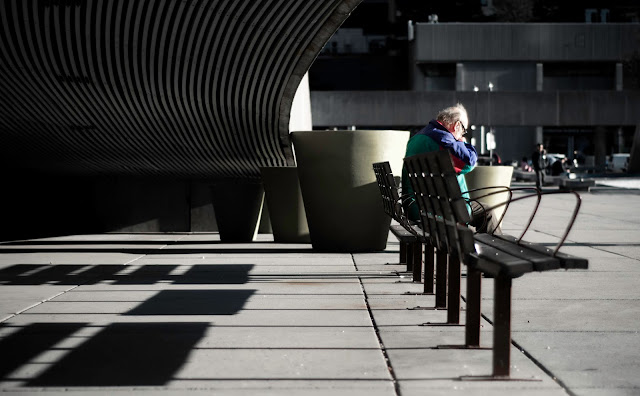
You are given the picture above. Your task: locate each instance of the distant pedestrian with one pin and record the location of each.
(524, 165)
(539, 161)
(559, 167)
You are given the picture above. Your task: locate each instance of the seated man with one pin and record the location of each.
(559, 167)
(447, 132)
(524, 165)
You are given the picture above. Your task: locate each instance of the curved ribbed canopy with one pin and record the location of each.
(192, 88)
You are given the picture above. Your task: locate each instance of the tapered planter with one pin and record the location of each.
(488, 176)
(341, 197)
(284, 201)
(237, 205)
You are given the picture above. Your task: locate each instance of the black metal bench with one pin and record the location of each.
(409, 235)
(435, 259)
(443, 212)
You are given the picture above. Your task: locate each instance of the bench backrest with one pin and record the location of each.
(443, 209)
(388, 188)
(389, 193)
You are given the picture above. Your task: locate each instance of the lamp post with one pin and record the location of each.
(491, 139)
(475, 116)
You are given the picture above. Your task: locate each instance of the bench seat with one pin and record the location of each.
(402, 234)
(567, 261)
(497, 255)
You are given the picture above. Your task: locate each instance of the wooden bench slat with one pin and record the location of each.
(540, 261)
(402, 234)
(496, 262)
(567, 261)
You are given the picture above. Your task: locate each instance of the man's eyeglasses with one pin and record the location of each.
(464, 130)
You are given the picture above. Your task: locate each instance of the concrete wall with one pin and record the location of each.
(505, 76)
(37, 205)
(541, 42)
(397, 108)
(513, 143)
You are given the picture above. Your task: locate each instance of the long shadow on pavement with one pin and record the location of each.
(126, 354)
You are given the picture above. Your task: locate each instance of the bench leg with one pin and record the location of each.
(417, 261)
(453, 312)
(403, 253)
(410, 250)
(502, 327)
(429, 262)
(474, 288)
(441, 279)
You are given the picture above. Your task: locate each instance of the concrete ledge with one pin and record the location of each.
(575, 184)
(520, 175)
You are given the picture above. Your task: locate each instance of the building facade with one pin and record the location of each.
(572, 86)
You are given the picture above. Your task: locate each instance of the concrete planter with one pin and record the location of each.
(284, 201)
(487, 176)
(238, 207)
(341, 197)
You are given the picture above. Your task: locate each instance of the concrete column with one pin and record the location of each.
(539, 88)
(300, 116)
(539, 77)
(619, 141)
(459, 77)
(416, 76)
(600, 146)
(619, 75)
(391, 11)
(571, 147)
(202, 217)
(634, 158)
(539, 135)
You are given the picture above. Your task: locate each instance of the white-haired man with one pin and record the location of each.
(446, 132)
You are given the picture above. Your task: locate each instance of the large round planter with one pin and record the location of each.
(284, 201)
(341, 197)
(489, 176)
(237, 206)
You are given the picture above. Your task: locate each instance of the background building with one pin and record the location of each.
(530, 71)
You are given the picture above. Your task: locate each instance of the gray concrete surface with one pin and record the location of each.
(175, 313)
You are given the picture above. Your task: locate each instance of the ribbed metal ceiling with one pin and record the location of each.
(192, 88)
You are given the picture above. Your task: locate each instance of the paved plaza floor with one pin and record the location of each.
(177, 313)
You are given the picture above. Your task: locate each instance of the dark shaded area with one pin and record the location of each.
(8, 276)
(359, 73)
(163, 252)
(39, 204)
(145, 275)
(215, 274)
(40, 242)
(194, 302)
(36, 205)
(126, 354)
(20, 347)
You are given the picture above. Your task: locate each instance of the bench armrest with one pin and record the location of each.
(539, 194)
(403, 219)
(506, 204)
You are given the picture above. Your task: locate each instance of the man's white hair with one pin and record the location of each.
(452, 114)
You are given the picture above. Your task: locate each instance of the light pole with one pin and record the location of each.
(475, 115)
(491, 138)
